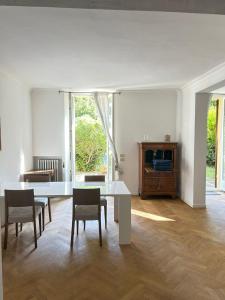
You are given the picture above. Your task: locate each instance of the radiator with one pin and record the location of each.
(48, 163)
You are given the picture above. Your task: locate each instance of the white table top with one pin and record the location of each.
(65, 189)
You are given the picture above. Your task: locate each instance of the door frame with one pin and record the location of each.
(217, 141)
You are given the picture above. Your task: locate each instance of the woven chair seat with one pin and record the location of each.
(22, 214)
(86, 212)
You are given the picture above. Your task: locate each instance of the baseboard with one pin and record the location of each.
(185, 202)
(198, 206)
(194, 205)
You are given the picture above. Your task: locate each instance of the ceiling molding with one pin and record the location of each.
(187, 6)
(209, 81)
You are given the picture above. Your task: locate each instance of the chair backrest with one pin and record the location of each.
(94, 178)
(19, 198)
(86, 196)
(38, 178)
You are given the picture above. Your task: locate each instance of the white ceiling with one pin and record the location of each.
(99, 49)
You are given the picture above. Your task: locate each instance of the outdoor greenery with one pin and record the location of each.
(210, 173)
(90, 137)
(211, 134)
(85, 106)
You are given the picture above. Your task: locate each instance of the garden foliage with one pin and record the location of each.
(90, 137)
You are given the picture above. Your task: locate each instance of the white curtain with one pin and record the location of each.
(102, 103)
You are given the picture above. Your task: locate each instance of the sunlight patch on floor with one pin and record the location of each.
(150, 216)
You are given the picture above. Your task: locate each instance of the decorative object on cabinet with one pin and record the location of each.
(157, 169)
(167, 138)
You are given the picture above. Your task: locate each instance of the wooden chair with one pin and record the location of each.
(86, 206)
(20, 208)
(103, 201)
(43, 201)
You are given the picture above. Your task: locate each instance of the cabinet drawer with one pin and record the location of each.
(167, 184)
(159, 174)
(151, 184)
(160, 184)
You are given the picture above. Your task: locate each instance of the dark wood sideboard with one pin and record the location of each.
(151, 180)
(38, 175)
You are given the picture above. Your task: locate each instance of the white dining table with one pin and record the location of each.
(116, 189)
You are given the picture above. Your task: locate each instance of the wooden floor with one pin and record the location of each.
(176, 253)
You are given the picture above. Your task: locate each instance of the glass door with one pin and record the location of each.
(89, 148)
(221, 151)
(212, 149)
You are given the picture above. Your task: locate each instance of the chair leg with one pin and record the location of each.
(105, 211)
(35, 234)
(77, 227)
(100, 232)
(6, 235)
(16, 229)
(72, 233)
(49, 210)
(21, 226)
(39, 219)
(84, 225)
(43, 218)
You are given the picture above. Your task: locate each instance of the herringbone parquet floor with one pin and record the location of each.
(177, 253)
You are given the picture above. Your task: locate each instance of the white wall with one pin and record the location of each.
(185, 132)
(15, 115)
(192, 132)
(151, 112)
(192, 138)
(200, 150)
(48, 122)
(16, 138)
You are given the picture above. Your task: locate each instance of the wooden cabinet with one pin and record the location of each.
(153, 178)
